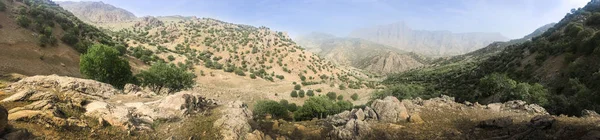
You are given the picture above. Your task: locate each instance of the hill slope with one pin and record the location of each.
(361, 53)
(563, 60)
(97, 12)
(430, 43)
(39, 37)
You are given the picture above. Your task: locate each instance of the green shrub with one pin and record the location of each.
(239, 72)
(252, 76)
(102, 63)
(70, 38)
(301, 93)
(331, 95)
(342, 87)
(354, 96)
(264, 107)
(340, 97)
(310, 93)
(319, 90)
(162, 75)
(23, 21)
(171, 57)
(297, 87)
(294, 94)
(320, 107)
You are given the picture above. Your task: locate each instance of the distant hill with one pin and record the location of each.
(430, 43)
(360, 53)
(97, 12)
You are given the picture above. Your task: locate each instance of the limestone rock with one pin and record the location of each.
(257, 135)
(234, 122)
(415, 118)
(74, 87)
(353, 129)
(589, 114)
(390, 109)
(359, 115)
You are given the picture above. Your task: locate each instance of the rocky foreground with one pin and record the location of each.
(54, 107)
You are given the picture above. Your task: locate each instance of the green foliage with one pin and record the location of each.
(342, 87)
(310, 93)
(171, 77)
(102, 63)
(252, 76)
(2, 6)
(301, 93)
(354, 97)
(294, 94)
(70, 38)
(171, 57)
(319, 90)
(331, 95)
(23, 21)
(320, 107)
(264, 107)
(297, 87)
(340, 97)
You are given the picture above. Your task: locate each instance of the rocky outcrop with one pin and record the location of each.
(131, 89)
(52, 96)
(390, 109)
(517, 105)
(234, 121)
(149, 21)
(72, 87)
(353, 129)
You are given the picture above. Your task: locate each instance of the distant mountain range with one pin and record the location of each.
(360, 53)
(430, 43)
(97, 12)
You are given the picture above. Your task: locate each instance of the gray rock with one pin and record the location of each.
(234, 122)
(359, 115)
(390, 109)
(370, 113)
(353, 129)
(589, 114)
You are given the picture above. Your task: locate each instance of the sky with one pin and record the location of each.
(511, 18)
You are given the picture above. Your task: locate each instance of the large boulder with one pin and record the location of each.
(353, 129)
(186, 102)
(390, 109)
(234, 122)
(71, 87)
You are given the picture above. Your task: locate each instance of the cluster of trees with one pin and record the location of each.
(103, 63)
(314, 107)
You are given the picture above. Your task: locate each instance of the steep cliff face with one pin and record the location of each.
(97, 12)
(431, 43)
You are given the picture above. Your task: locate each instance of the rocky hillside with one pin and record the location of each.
(97, 12)
(38, 108)
(362, 54)
(430, 43)
(557, 69)
(39, 37)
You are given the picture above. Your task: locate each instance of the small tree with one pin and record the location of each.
(331, 95)
(102, 63)
(354, 96)
(262, 108)
(294, 94)
(342, 87)
(340, 97)
(23, 21)
(171, 57)
(297, 87)
(301, 93)
(310, 93)
(162, 75)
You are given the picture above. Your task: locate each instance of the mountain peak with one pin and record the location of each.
(97, 12)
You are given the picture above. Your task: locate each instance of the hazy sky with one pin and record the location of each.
(512, 18)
